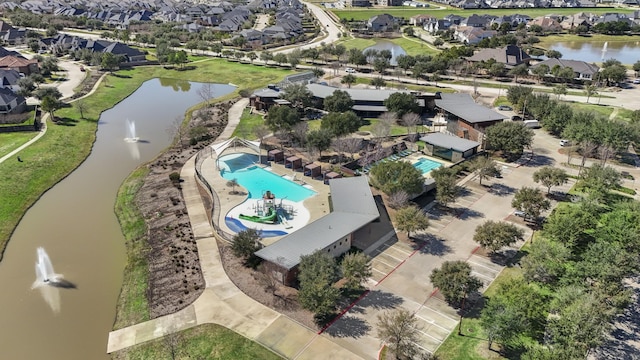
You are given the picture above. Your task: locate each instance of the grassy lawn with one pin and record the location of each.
(414, 46)
(395, 129)
(11, 141)
(472, 345)
(357, 43)
(407, 12)
(247, 123)
(602, 110)
(624, 114)
(207, 341)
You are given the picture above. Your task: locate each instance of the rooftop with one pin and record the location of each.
(463, 106)
(449, 142)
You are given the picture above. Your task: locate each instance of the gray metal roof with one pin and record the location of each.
(380, 108)
(353, 208)
(449, 142)
(463, 106)
(322, 91)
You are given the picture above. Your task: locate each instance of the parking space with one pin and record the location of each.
(387, 257)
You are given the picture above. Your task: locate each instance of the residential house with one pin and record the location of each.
(382, 23)
(575, 20)
(582, 70)
(510, 56)
(478, 21)
(357, 3)
(546, 23)
(9, 79)
(420, 20)
(513, 20)
(11, 103)
(472, 35)
(464, 117)
(19, 64)
(128, 53)
(354, 209)
(435, 25)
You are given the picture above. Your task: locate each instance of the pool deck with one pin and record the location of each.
(318, 205)
(415, 157)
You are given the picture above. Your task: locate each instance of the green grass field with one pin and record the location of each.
(247, 123)
(205, 342)
(407, 12)
(11, 141)
(547, 41)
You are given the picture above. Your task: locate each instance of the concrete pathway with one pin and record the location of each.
(222, 302)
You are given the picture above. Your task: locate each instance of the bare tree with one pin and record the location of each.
(352, 145)
(81, 106)
(206, 93)
(587, 147)
(606, 152)
(398, 199)
(175, 129)
(300, 132)
(382, 129)
(411, 120)
(171, 342)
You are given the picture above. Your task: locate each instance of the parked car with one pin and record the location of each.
(565, 143)
(350, 70)
(516, 118)
(505, 108)
(532, 124)
(636, 81)
(519, 213)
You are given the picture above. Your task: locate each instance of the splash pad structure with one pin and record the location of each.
(266, 211)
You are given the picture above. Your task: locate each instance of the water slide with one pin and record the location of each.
(269, 218)
(283, 219)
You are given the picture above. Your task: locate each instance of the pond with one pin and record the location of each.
(76, 225)
(627, 52)
(396, 50)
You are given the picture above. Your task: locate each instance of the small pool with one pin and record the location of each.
(425, 165)
(257, 180)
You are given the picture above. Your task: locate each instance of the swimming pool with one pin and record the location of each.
(257, 180)
(425, 165)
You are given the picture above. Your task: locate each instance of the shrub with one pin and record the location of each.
(174, 177)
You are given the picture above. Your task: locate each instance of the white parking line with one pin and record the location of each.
(432, 322)
(380, 261)
(395, 257)
(486, 267)
(481, 275)
(433, 337)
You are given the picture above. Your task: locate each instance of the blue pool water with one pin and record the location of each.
(425, 165)
(257, 180)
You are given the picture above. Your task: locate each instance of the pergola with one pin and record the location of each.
(219, 148)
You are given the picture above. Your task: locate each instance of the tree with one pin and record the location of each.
(405, 62)
(402, 103)
(281, 118)
(51, 92)
(447, 189)
(298, 95)
(502, 322)
(397, 175)
(280, 58)
(356, 269)
(233, 183)
(348, 79)
(381, 65)
(531, 201)
(509, 137)
(598, 180)
(410, 120)
(319, 140)
(546, 261)
(81, 106)
(590, 90)
(400, 331)
(339, 101)
(318, 272)
(485, 167)
(519, 70)
(557, 120)
(266, 57)
(206, 93)
(50, 105)
(438, 42)
(110, 61)
(636, 67)
(541, 71)
(411, 218)
(496, 235)
(318, 72)
(378, 82)
(550, 176)
(560, 90)
(27, 86)
(340, 124)
(572, 225)
(398, 199)
(554, 54)
(245, 243)
(454, 280)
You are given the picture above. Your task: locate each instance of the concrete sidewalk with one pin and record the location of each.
(222, 302)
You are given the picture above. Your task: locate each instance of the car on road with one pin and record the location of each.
(565, 143)
(505, 108)
(636, 81)
(350, 70)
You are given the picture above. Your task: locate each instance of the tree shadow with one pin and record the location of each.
(466, 213)
(349, 326)
(432, 244)
(499, 189)
(377, 299)
(538, 160)
(122, 76)
(65, 121)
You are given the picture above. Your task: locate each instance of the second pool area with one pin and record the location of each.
(425, 165)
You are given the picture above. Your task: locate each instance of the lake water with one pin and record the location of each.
(75, 223)
(626, 52)
(396, 50)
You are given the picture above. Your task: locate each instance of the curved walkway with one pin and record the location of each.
(222, 302)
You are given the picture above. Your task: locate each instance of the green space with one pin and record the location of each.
(11, 141)
(248, 122)
(395, 128)
(365, 14)
(207, 341)
(411, 46)
(602, 110)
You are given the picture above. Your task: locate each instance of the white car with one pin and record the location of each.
(564, 143)
(636, 81)
(350, 70)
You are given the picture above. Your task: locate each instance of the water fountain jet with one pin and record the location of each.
(131, 132)
(604, 49)
(44, 269)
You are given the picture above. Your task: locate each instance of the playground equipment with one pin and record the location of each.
(268, 212)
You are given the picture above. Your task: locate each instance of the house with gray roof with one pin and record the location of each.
(449, 147)
(581, 70)
(510, 56)
(354, 208)
(11, 103)
(465, 118)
